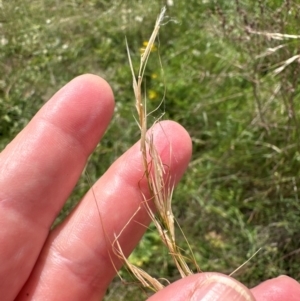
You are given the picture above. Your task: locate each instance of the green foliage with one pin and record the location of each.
(241, 191)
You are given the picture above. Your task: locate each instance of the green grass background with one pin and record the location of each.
(241, 191)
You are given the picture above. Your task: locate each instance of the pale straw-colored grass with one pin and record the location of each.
(157, 177)
(280, 37)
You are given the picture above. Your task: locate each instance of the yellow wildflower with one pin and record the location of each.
(152, 94)
(145, 43)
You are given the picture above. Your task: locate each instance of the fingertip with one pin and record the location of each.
(97, 84)
(174, 144)
(277, 289)
(169, 129)
(89, 87)
(204, 286)
(83, 108)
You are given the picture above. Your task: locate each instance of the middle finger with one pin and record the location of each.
(77, 260)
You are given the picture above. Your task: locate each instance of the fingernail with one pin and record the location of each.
(282, 276)
(217, 288)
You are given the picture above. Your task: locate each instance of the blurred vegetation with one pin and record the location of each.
(230, 81)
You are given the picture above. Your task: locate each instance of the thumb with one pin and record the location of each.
(205, 287)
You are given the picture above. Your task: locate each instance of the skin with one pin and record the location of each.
(39, 169)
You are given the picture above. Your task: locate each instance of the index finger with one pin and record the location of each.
(40, 168)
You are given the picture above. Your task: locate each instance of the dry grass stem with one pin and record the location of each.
(157, 176)
(287, 63)
(280, 37)
(237, 269)
(270, 51)
(144, 278)
(274, 35)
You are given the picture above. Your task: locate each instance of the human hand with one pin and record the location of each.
(39, 169)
